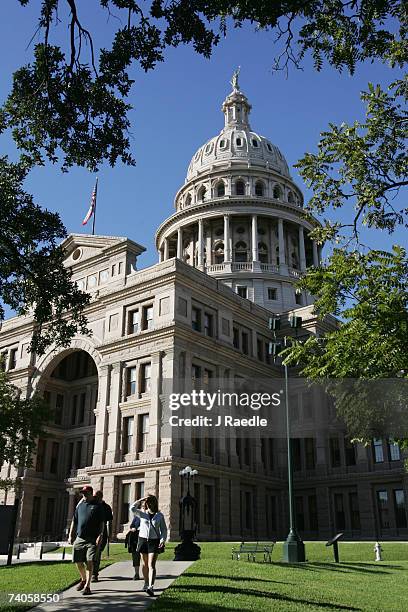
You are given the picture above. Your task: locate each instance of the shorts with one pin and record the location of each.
(83, 550)
(148, 546)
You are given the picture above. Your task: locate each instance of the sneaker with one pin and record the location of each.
(87, 591)
(95, 579)
(81, 585)
(145, 586)
(150, 591)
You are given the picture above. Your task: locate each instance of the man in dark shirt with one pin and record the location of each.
(107, 530)
(88, 522)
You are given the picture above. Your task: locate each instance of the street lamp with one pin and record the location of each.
(187, 550)
(293, 547)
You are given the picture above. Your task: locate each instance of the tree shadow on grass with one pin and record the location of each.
(234, 578)
(347, 568)
(262, 594)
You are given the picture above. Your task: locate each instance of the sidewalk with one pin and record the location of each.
(116, 590)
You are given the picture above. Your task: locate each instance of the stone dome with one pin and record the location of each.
(237, 144)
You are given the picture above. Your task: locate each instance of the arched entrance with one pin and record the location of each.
(69, 384)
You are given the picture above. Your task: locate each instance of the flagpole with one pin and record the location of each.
(94, 215)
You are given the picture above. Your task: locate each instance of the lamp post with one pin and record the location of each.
(187, 550)
(293, 547)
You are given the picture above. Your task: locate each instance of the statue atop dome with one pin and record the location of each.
(234, 80)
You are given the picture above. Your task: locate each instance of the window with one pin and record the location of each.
(354, 511)
(245, 344)
(35, 514)
(239, 142)
(92, 281)
(140, 489)
(307, 404)
(268, 146)
(3, 360)
(291, 199)
(222, 144)
(296, 454)
(400, 514)
(298, 298)
(383, 509)
(103, 276)
(339, 514)
(39, 464)
(262, 252)
(242, 291)
(188, 200)
(49, 514)
(235, 340)
(13, 359)
(221, 189)
(196, 444)
(378, 450)
(147, 317)
(394, 451)
(300, 516)
(208, 324)
(208, 501)
(54, 458)
(74, 409)
(124, 513)
(272, 293)
(207, 376)
(133, 322)
(335, 457)
(182, 306)
(219, 253)
(241, 249)
(195, 372)
(130, 381)
(70, 457)
(277, 192)
(82, 402)
(255, 143)
(310, 453)
(259, 349)
(201, 194)
(142, 432)
(313, 517)
(240, 188)
(145, 374)
(350, 452)
(78, 454)
(196, 319)
(127, 441)
(59, 407)
(209, 447)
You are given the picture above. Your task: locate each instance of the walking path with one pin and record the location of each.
(116, 589)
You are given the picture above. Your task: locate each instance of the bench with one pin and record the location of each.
(251, 549)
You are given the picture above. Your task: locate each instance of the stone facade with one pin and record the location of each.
(202, 311)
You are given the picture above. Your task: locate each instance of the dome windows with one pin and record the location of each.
(223, 143)
(277, 192)
(241, 252)
(220, 189)
(188, 200)
(208, 148)
(201, 194)
(255, 143)
(262, 252)
(240, 188)
(259, 188)
(239, 142)
(269, 147)
(219, 253)
(291, 198)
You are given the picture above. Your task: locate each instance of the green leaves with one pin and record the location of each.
(33, 278)
(21, 422)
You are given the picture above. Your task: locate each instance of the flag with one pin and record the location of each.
(92, 207)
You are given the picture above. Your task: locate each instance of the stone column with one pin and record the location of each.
(179, 243)
(302, 254)
(166, 249)
(227, 240)
(254, 243)
(112, 451)
(315, 254)
(153, 444)
(200, 260)
(283, 268)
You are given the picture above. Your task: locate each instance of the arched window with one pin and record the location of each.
(240, 188)
(291, 199)
(241, 251)
(239, 142)
(277, 192)
(255, 142)
(259, 189)
(219, 253)
(262, 252)
(201, 194)
(220, 189)
(188, 200)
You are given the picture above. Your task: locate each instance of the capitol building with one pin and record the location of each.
(229, 256)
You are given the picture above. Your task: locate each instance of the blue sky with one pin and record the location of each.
(177, 107)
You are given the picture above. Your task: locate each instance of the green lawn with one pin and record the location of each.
(357, 583)
(218, 583)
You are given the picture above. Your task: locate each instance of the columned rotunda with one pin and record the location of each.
(239, 215)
